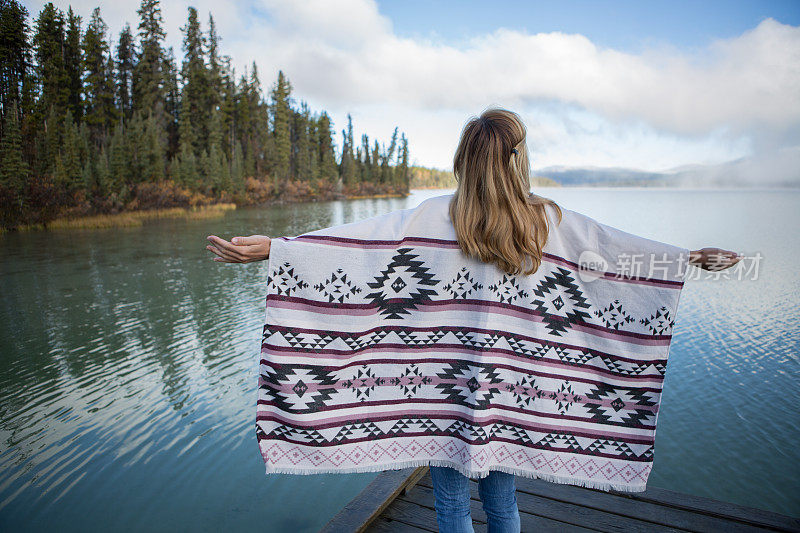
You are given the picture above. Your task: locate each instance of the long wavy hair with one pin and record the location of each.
(496, 217)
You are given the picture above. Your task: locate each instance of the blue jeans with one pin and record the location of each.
(497, 492)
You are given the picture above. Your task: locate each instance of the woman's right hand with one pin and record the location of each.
(713, 259)
(240, 249)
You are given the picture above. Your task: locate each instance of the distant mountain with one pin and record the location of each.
(778, 168)
(745, 172)
(602, 176)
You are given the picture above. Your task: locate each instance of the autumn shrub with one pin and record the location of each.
(153, 195)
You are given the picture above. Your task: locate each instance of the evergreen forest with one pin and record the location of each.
(91, 124)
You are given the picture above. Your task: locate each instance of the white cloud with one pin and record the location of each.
(584, 105)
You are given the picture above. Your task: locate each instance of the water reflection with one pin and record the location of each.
(128, 367)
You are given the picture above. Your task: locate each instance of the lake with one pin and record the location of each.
(129, 365)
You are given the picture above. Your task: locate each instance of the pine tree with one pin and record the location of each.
(215, 74)
(98, 80)
(281, 116)
(15, 52)
(119, 163)
(227, 106)
(366, 159)
(237, 169)
(194, 110)
(403, 166)
(172, 99)
(148, 78)
(134, 148)
(52, 83)
(73, 65)
(189, 171)
(216, 135)
(313, 145)
(102, 173)
(260, 136)
(125, 65)
(145, 147)
(376, 162)
(13, 170)
(347, 164)
(154, 160)
(301, 153)
(87, 159)
(220, 171)
(386, 170)
(244, 117)
(69, 163)
(327, 154)
(191, 148)
(204, 169)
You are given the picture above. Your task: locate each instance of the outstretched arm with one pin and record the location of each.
(257, 247)
(713, 259)
(240, 249)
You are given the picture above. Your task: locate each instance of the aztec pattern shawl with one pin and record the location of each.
(385, 347)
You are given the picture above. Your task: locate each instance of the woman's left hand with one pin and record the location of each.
(240, 249)
(713, 259)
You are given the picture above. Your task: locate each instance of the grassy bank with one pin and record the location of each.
(137, 218)
(131, 218)
(365, 196)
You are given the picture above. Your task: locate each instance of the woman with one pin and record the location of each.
(497, 220)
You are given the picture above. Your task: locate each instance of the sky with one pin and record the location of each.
(651, 86)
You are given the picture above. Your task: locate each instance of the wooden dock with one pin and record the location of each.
(401, 501)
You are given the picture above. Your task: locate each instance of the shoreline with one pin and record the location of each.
(135, 218)
(126, 218)
(167, 199)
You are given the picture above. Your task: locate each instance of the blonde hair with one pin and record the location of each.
(496, 217)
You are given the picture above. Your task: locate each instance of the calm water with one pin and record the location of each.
(128, 367)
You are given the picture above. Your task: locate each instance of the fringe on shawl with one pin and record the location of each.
(472, 474)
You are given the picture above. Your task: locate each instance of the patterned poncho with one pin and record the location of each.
(385, 347)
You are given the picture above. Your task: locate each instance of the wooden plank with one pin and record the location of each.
(729, 510)
(639, 509)
(403, 501)
(679, 502)
(657, 506)
(414, 478)
(408, 512)
(384, 525)
(357, 515)
(564, 513)
(422, 497)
